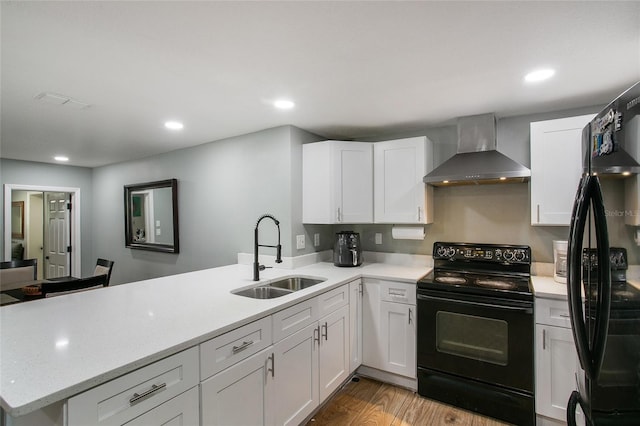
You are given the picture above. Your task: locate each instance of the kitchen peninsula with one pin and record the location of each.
(61, 347)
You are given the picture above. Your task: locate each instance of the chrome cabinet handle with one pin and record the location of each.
(544, 339)
(538, 213)
(139, 397)
(410, 313)
(339, 215)
(242, 347)
(361, 288)
(326, 331)
(272, 370)
(316, 339)
(419, 214)
(564, 315)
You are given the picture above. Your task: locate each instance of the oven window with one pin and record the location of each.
(469, 336)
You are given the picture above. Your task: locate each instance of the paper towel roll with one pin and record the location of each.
(407, 233)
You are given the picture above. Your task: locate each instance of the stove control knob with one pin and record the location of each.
(520, 255)
(508, 255)
(450, 252)
(441, 251)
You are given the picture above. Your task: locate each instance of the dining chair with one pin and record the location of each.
(14, 272)
(58, 288)
(104, 267)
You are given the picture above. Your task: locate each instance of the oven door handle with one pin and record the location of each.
(590, 347)
(525, 309)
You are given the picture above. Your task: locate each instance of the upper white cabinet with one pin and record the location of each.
(337, 182)
(400, 195)
(556, 167)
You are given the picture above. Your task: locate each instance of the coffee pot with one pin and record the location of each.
(347, 250)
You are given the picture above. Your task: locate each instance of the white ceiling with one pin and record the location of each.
(354, 69)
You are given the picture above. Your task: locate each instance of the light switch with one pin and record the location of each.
(316, 239)
(299, 242)
(158, 231)
(378, 238)
(157, 223)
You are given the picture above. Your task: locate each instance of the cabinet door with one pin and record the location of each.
(372, 341)
(398, 338)
(556, 167)
(333, 361)
(181, 410)
(400, 195)
(355, 324)
(556, 367)
(353, 182)
(296, 376)
(225, 396)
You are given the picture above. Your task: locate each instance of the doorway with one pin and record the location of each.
(53, 234)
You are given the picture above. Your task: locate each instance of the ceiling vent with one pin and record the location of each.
(57, 99)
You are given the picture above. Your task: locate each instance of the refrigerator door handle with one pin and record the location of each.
(590, 352)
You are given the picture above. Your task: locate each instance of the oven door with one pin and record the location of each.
(480, 338)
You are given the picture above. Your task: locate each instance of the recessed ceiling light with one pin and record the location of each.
(283, 104)
(173, 125)
(61, 158)
(539, 75)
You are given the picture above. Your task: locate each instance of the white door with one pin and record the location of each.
(355, 324)
(242, 394)
(56, 234)
(334, 351)
(296, 376)
(398, 334)
(556, 367)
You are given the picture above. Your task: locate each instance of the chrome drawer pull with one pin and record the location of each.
(146, 394)
(242, 347)
(563, 315)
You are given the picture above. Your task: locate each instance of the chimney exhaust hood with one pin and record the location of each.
(477, 161)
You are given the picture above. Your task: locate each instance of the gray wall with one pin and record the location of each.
(478, 213)
(41, 174)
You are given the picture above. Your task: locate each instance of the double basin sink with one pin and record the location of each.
(279, 287)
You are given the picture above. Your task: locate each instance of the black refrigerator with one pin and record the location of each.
(603, 276)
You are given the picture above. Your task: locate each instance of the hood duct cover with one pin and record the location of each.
(477, 160)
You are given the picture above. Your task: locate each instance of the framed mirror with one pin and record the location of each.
(17, 219)
(151, 216)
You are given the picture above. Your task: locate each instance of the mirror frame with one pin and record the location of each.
(128, 208)
(15, 232)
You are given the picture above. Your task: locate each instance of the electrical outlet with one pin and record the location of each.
(378, 238)
(299, 242)
(316, 240)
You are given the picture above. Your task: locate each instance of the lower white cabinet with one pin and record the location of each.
(333, 358)
(389, 327)
(242, 394)
(556, 360)
(355, 324)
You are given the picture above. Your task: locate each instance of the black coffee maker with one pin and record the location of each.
(347, 250)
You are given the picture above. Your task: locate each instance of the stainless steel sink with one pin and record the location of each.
(263, 292)
(295, 283)
(279, 287)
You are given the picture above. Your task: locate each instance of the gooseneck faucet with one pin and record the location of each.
(256, 266)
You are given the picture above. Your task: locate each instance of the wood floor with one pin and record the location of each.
(368, 402)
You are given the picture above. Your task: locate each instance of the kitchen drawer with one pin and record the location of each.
(392, 291)
(552, 312)
(129, 396)
(184, 409)
(333, 300)
(294, 318)
(234, 346)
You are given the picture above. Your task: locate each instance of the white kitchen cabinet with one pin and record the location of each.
(389, 327)
(355, 324)
(242, 394)
(556, 360)
(400, 195)
(337, 182)
(181, 410)
(333, 359)
(123, 399)
(556, 167)
(296, 376)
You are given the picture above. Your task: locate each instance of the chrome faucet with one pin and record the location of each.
(256, 266)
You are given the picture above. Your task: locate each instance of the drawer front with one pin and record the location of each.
(234, 346)
(294, 318)
(333, 300)
(552, 312)
(182, 410)
(129, 396)
(398, 292)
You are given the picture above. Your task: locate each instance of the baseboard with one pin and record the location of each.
(385, 376)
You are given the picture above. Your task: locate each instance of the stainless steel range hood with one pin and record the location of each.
(477, 161)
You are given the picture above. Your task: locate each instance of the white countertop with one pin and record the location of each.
(547, 287)
(54, 348)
